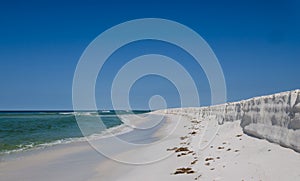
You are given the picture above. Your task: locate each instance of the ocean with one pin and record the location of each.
(25, 130)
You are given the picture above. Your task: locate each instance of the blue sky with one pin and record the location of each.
(257, 44)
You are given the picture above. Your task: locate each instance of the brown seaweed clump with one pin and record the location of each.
(184, 171)
(181, 149)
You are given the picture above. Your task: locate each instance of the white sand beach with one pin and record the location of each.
(231, 156)
(178, 150)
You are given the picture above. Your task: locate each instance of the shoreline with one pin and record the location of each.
(169, 151)
(35, 164)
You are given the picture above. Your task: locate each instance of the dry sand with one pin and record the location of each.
(231, 155)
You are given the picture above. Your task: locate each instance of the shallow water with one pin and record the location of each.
(28, 130)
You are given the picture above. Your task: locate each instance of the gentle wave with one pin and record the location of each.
(80, 113)
(113, 131)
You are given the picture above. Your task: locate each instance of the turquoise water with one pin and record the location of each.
(27, 130)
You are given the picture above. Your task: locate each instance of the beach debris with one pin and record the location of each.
(239, 135)
(207, 164)
(218, 157)
(171, 149)
(212, 168)
(221, 147)
(236, 150)
(196, 178)
(193, 162)
(182, 154)
(208, 159)
(193, 133)
(184, 171)
(182, 149)
(228, 149)
(183, 137)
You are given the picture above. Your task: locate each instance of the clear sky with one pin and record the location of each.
(257, 44)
